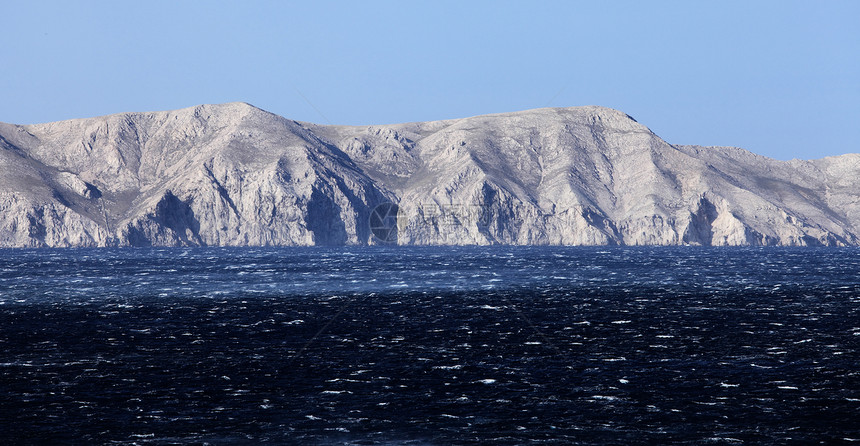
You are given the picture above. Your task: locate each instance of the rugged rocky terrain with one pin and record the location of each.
(236, 175)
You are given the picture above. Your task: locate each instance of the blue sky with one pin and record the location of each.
(779, 78)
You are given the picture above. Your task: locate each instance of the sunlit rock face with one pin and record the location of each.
(235, 175)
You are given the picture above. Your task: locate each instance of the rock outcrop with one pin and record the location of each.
(235, 175)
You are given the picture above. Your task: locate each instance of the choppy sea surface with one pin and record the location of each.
(466, 345)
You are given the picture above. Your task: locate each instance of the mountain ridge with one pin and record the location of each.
(236, 175)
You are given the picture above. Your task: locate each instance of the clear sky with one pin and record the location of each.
(779, 78)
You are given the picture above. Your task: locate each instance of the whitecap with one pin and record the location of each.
(760, 366)
(143, 435)
(724, 439)
(448, 367)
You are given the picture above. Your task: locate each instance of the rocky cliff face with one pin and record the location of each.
(235, 175)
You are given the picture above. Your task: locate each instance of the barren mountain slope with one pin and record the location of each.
(233, 174)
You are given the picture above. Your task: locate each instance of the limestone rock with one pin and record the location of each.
(235, 175)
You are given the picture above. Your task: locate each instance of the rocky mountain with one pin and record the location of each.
(235, 175)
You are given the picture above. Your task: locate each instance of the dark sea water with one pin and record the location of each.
(430, 346)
